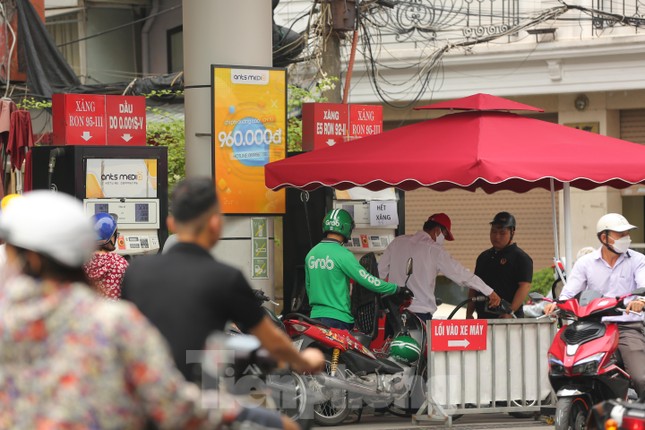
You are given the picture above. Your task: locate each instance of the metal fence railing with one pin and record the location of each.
(510, 375)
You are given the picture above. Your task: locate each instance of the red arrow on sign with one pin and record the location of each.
(458, 335)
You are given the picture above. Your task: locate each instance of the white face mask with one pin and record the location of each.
(622, 245)
(11, 271)
(440, 239)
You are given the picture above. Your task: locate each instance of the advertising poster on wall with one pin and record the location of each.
(120, 177)
(260, 248)
(249, 131)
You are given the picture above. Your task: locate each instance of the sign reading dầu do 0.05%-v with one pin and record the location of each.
(249, 131)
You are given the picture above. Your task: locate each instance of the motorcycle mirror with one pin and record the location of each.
(639, 292)
(409, 266)
(535, 296)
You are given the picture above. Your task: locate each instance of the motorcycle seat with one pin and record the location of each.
(301, 317)
(363, 338)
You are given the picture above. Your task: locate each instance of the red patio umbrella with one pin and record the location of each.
(485, 147)
(488, 149)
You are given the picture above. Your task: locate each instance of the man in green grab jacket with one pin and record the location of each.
(328, 268)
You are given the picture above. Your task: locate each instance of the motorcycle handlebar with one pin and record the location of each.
(629, 312)
(245, 350)
(260, 295)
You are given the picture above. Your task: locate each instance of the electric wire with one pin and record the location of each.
(118, 27)
(13, 45)
(389, 69)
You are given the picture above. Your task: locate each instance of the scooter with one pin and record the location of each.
(237, 369)
(383, 368)
(584, 362)
(288, 391)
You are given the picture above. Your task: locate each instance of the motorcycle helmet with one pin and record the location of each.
(405, 350)
(51, 224)
(504, 220)
(613, 222)
(105, 227)
(338, 221)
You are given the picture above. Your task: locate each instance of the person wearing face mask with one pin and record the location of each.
(68, 358)
(430, 257)
(614, 270)
(504, 266)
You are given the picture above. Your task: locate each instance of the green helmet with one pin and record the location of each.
(405, 350)
(338, 221)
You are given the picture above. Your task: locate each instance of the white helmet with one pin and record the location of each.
(49, 223)
(613, 222)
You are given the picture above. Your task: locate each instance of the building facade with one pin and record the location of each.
(583, 64)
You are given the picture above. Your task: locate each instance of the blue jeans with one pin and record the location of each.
(424, 316)
(334, 323)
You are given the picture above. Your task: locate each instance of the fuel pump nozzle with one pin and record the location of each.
(53, 155)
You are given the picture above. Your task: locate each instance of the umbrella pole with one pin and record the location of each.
(568, 241)
(556, 241)
(555, 223)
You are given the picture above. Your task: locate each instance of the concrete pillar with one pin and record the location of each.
(220, 32)
(226, 33)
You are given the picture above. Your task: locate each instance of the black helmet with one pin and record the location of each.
(504, 219)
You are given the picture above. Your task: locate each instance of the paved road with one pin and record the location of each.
(467, 422)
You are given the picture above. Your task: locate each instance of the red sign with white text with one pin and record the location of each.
(364, 120)
(78, 119)
(323, 125)
(126, 120)
(458, 335)
(327, 124)
(84, 119)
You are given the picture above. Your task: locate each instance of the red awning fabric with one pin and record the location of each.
(481, 102)
(487, 149)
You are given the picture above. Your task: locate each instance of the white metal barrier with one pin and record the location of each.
(510, 375)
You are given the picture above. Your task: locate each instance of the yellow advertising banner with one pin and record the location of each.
(249, 131)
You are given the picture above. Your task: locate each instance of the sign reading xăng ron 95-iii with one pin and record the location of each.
(249, 131)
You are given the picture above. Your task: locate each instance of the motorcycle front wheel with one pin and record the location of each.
(571, 413)
(290, 395)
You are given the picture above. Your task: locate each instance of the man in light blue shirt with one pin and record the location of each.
(614, 270)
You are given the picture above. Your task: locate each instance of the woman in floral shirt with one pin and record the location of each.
(68, 359)
(106, 268)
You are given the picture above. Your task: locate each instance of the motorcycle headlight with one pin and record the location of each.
(556, 367)
(588, 366)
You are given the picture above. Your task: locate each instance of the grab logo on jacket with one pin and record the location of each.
(321, 263)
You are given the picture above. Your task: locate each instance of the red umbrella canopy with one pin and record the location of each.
(480, 149)
(481, 102)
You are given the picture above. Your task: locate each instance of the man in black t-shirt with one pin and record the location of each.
(505, 267)
(188, 294)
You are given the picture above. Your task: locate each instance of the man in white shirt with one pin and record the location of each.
(614, 270)
(426, 249)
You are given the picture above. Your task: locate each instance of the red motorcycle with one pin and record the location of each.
(381, 366)
(584, 361)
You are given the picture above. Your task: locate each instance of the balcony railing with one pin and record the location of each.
(618, 12)
(408, 19)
